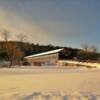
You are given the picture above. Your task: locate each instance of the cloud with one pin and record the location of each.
(46, 31)
(16, 24)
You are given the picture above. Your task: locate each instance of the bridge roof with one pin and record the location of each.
(44, 53)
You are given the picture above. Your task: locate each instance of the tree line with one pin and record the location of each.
(15, 51)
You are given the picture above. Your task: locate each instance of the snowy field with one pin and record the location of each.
(49, 84)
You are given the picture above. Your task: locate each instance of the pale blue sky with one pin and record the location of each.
(58, 22)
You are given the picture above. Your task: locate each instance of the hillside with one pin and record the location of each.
(14, 50)
(29, 48)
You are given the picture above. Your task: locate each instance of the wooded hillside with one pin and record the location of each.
(16, 51)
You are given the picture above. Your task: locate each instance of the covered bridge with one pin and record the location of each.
(45, 58)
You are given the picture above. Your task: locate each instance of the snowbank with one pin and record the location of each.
(77, 63)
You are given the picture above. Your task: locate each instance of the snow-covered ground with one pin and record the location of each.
(49, 84)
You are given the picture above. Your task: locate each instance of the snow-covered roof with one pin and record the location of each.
(44, 53)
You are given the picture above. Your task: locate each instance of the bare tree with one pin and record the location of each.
(85, 47)
(5, 35)
(12, 49)
(21, 37)
(15, 54)
(89, 52)
(94, 49)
